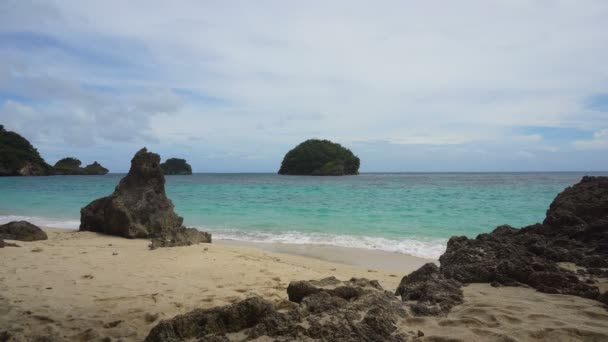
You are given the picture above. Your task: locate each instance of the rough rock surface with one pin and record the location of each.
(180, 237)
(22, 231)
(434, 293)
(326, 310)
(575, 230)
(7, 244)
(139, 207)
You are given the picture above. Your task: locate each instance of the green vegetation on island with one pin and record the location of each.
(19, 158)
(320, 158)
(176, 166)
(71, 166)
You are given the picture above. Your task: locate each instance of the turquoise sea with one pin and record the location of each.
(412, 213)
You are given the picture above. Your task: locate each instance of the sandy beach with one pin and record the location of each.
(83, 286)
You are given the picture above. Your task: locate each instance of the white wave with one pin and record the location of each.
(42, 221)
(424, 248)
(420, 247)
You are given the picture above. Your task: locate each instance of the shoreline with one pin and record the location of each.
(351, 256)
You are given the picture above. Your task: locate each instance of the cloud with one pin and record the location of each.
(210, 79)
(598, 142)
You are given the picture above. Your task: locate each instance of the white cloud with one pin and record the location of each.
(270, 74)
(598, 142)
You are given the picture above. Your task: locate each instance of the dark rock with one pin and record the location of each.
(328, 310)
(22, 231)
(575, 230)
(220, 320)
(583, 205)
(138, 208)
(434, 293)
(180, 237)
(7, 244)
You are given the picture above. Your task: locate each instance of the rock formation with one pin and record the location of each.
(575, 231)
(434, 294)
(22, 231)
(324, 310)
(319, 158)
(71, 166)
(175, 166)
(180, 237)
(7, 244)
(19, 158)
(139, 207)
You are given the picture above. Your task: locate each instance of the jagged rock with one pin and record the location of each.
(180, 237)
(584, 204)
(327, 310)
(139, 207)
(22, 231)
(434, 293)
(575, 230)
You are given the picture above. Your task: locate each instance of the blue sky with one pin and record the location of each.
(231, 86)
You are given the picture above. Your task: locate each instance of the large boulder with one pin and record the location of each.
(575, 231)
(324, 310)
(434, 294)
(6, 244)
(180, 237)
(22, 231)
(139, 207)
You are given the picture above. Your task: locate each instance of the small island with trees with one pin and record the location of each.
(315, 157)
(71, 166)
(176, 166)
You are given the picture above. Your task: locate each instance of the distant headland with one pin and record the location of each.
(316, 157)
(19, 158)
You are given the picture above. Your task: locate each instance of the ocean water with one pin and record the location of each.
(413, 213)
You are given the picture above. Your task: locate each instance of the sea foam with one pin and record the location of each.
(424, 248)
(42, 221)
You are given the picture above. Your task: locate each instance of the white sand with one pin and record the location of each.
(85, 286)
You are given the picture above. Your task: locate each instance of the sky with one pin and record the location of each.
(410, 86)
